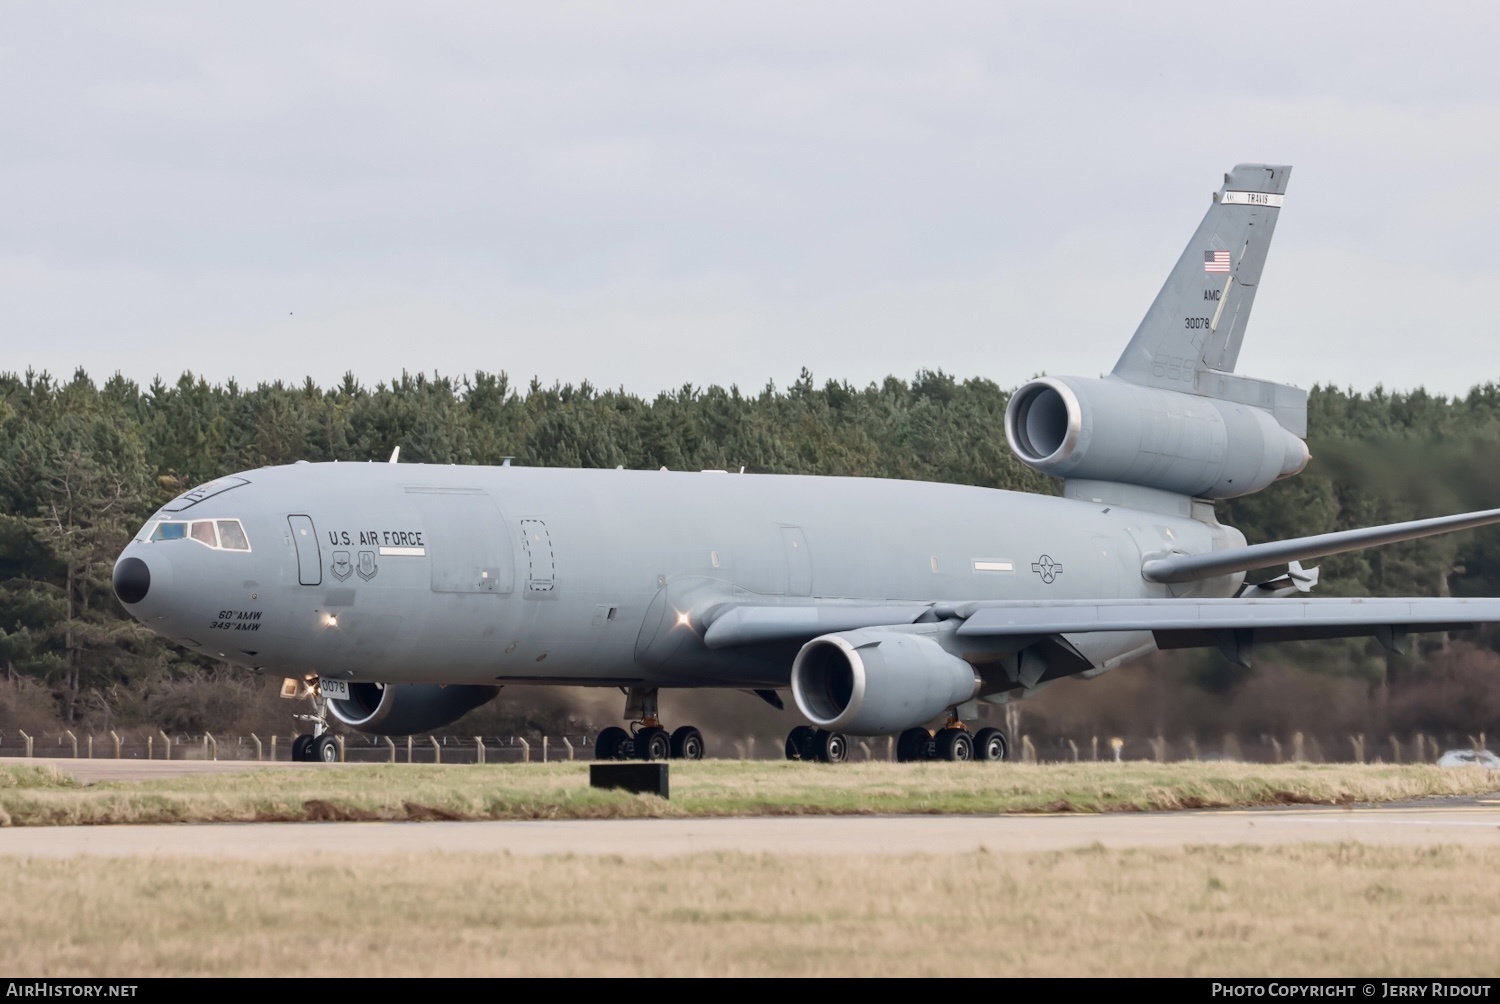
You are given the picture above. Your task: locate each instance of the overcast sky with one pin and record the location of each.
(649, 195)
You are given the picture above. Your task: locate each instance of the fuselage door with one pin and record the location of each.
(541, 562)
(798, 562)
(309, 557)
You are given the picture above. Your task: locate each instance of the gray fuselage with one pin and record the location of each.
(444, 574)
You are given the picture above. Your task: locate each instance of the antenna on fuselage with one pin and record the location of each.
(394, 454)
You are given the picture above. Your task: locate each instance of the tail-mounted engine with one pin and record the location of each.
(1111, 430)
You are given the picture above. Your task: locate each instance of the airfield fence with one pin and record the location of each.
(452, 749)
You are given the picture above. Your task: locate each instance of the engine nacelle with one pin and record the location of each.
(874, 682)
(1111, 430)
(402, 709)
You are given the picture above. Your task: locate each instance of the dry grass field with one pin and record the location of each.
(1293, 911)
(37, 796)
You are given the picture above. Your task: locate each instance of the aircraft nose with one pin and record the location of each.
(132, 580)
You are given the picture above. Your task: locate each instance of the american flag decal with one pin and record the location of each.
(1216, 261)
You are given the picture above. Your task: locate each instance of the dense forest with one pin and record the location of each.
(82, 465)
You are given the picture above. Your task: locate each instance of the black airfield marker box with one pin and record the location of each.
(640, 778)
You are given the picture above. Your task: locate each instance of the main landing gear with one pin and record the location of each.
(647, 740)
(318, 746)
(952, 742)
(807, 743)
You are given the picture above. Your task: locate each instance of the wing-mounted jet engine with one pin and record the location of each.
(878, 681)
(401, 596)
(401, 709)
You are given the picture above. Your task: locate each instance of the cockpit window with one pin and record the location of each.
(169, 531)
(232, 536)
(221, 535)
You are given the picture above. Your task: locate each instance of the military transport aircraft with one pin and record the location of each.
(400, 596)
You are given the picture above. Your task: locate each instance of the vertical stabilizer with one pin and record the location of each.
(1190, 338)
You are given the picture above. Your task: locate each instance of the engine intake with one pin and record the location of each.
(875, 682)
(1110, 430)
(402, 709)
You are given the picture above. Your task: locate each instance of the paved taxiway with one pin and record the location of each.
(1471, 825)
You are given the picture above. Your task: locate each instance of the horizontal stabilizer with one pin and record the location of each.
(1192, 567)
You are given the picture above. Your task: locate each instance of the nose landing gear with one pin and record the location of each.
(317, 746)
(647, 740)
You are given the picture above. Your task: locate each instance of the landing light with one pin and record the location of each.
(331, 620)
(684, 619)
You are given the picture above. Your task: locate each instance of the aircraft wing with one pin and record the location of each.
(1176, 623)
(1191, 623)
(749, 623)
